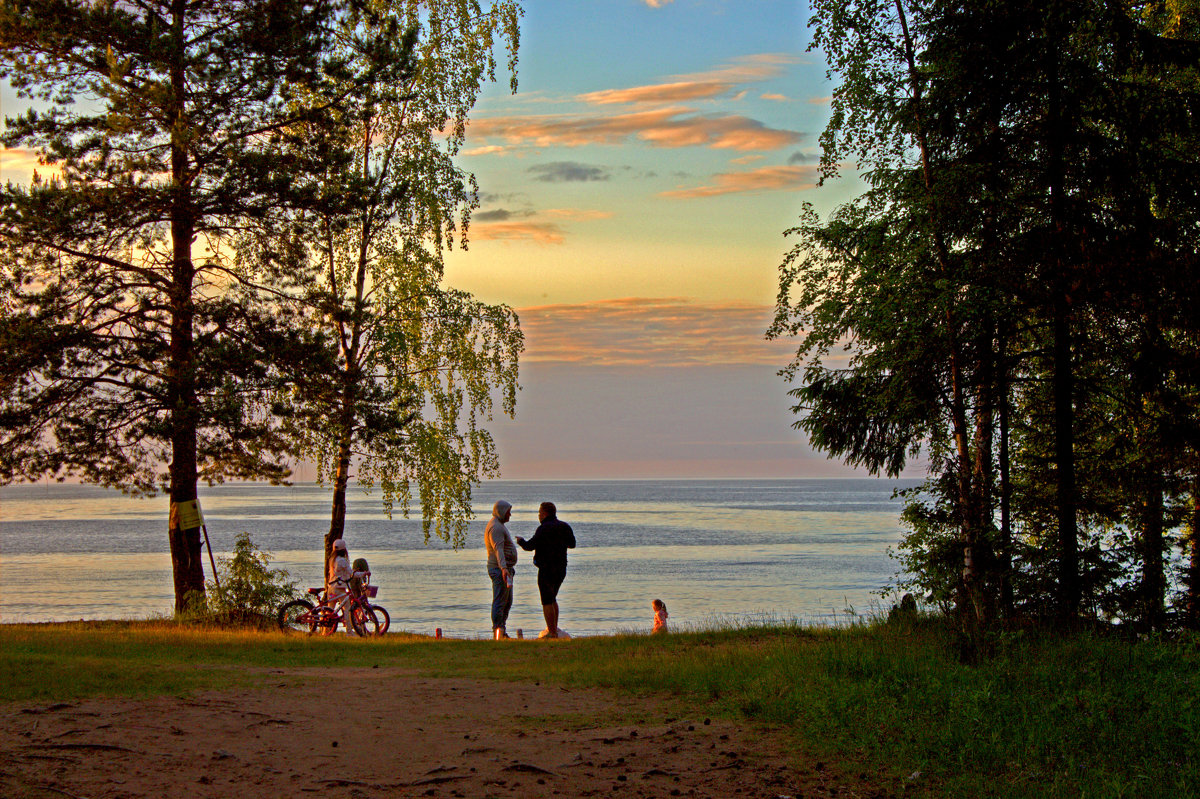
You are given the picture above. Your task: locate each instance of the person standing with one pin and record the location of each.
(549, 545)
(501, 565)
(337, 582)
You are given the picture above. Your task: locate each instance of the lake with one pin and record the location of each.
(715, 551)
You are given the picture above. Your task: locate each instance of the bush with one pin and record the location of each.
(250, 591)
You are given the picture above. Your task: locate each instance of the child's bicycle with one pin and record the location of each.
(301, 615)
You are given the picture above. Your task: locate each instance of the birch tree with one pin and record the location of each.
(418, 367)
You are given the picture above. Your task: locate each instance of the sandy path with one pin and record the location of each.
(393, 734)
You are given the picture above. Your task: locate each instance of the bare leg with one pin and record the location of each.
(551, 614)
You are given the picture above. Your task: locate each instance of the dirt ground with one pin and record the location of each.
(365, 733)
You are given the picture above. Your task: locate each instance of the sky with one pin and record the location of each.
(634, 195)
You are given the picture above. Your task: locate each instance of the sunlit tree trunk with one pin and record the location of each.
(187, 566)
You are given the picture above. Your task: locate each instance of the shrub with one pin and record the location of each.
(250, 591)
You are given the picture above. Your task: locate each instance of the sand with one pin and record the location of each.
(362, 733)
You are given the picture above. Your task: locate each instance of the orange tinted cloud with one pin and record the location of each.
(532, 226)
(18, 165)
(578, 214)
(659, 93)
(538, 232)
(767, 178)
(701, 85)
(494, 149)
(640, 331)
(665, 127)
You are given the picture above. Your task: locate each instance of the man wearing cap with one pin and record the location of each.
(550, 544)
(501, 563)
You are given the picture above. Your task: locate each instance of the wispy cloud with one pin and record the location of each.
(499, 215)
(537, 232)
(723, 80)
(18, 165)
(567, 172)
(652, 332)
(537, 227)
(658, 3)
(767, 178)
(664, 127)
(490, 149)
(578, 214)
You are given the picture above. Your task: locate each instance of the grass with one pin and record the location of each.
(1044, 717)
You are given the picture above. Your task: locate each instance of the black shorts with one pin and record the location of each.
(549, 581)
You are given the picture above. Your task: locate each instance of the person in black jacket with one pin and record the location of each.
(549, 545)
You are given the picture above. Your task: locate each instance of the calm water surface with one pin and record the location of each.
(716, 551)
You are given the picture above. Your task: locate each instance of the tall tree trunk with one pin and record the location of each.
(351, 343)
(1006, 541)
(1064, 457)
(961, 432)
(1193, 574)
(982, 470)
(341, 477)
(1154, 584)
(186, 563)
(1060, 312)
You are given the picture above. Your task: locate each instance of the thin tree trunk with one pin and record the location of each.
(341, 478)
(1006, 541)
(961, 433)
(982, 473)
(186, 561)
(1063, 378)
(352, 354)
(1193, 581)
(1154, 584)
(1064, 456)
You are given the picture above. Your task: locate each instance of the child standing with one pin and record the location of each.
(660, 616)
(337, 584)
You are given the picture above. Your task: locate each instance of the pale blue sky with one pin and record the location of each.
(635, 193)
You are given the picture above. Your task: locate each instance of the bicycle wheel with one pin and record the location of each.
(297, 616)
(364, 621)
(327, 620)
(385, 620)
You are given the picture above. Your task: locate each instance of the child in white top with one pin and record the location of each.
(337, 585)
(660, 616)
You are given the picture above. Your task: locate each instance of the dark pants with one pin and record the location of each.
(502, 598)
(550, 579)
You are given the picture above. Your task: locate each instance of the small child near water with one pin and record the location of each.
(660, 616)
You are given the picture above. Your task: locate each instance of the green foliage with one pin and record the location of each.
(247, 591)
(161, 132)
(413, 367)
(1014, 295)
(137, 354)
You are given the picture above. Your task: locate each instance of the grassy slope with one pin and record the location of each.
(1045, 717)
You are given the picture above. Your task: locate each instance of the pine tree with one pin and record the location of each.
(131, 347)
